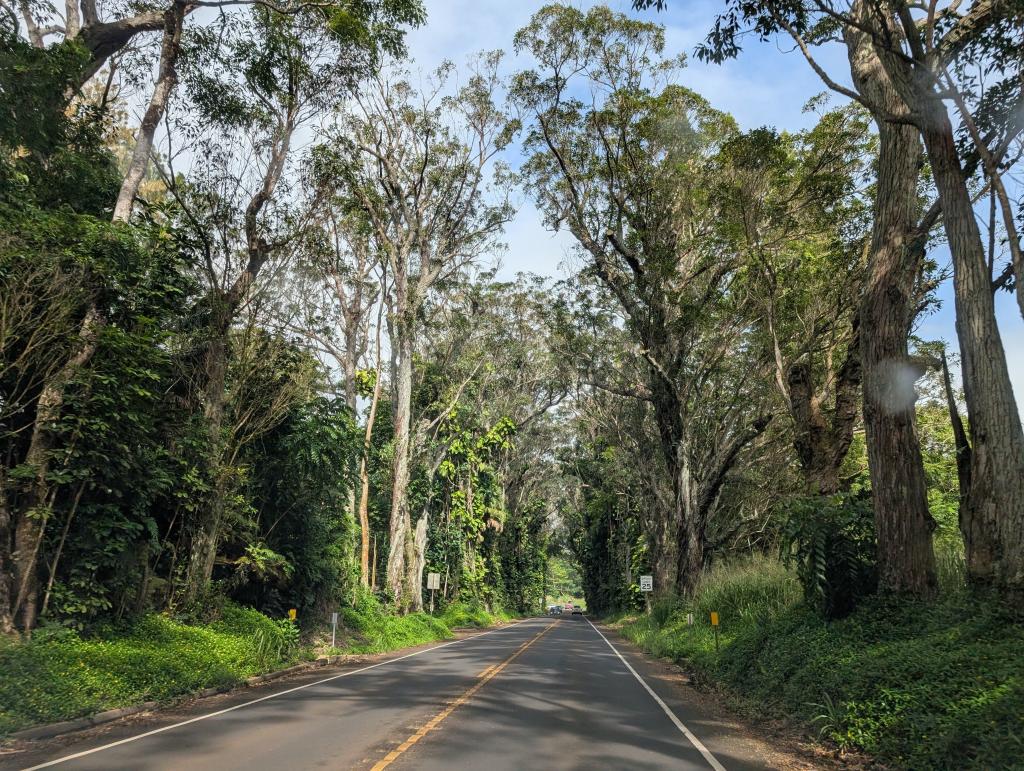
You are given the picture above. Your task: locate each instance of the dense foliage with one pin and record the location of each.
(917, 685)
(255, 354)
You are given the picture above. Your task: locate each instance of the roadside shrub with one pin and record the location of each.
(831, 541)
(375, 629)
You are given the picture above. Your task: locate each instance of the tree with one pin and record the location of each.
(417, 164)
(626, 173)
(799, 208)
(377, 26)
(335, 294)
(901, 68)
(264, 77)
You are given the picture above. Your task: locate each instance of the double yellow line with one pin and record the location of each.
(486, 676)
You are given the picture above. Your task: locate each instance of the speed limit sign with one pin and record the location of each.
(646, 583)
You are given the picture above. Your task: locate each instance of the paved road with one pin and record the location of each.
(540, 694)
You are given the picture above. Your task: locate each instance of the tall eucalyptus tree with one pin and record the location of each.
(419, 165)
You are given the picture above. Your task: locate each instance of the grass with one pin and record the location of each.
(918, 685)
(59, 676)
(63, 675)
(371, 628)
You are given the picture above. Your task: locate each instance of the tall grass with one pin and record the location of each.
(950, 566)
(372, 628)
(748, 591)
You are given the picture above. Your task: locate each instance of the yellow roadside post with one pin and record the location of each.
(292, 613)
(714, 625)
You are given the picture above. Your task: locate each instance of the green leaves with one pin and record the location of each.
(831, 540)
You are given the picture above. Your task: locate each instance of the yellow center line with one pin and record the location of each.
(487, 675)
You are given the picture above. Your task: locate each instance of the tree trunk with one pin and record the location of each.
(401, 524)
(691, 557)
(961, 443)
(364, 477)
(992, 511)
(6, 568)
(206, 532)
(418, 563)
(30, 526)
(167, 77)
(821, 443)
(365, 463)
(903, 522)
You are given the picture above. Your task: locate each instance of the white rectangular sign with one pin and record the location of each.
(646, 583)
(334, 618)
(433, 580)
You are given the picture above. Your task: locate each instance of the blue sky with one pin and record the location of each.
(767, 85)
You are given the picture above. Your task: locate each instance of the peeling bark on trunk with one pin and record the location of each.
(418, 563)
(903, 522)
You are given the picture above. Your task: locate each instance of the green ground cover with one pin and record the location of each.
(60, 675)
(937, 685)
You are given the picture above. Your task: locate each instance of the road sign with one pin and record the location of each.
(292, 613)
(646, 583)
(433, 584)
(334, 627)
(714, 619)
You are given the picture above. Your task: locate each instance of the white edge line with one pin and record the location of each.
(711, 759)
(265, 698)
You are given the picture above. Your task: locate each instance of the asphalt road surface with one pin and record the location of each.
(546, 693)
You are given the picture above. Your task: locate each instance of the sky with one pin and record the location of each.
(768, 85)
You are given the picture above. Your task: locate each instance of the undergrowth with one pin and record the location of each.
(918, 685)
(61, 674)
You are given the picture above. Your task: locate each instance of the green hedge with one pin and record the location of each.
(937, 686)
